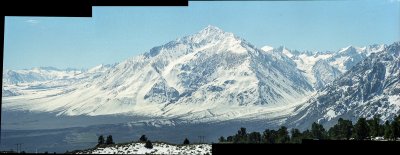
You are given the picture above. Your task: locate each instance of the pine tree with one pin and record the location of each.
(148, 144)
(395, 130)
(307, 134)
(109, 140)
(388, 130)
(381, 130)
(374, 126)
(221, 139)
(342, 130)
(143, 138)
(241, 136)
(100, 140)
(317, 131)
(345, 128)
(269, 136)
(186, 141)
(254, 137)
(283, 135)
(296, 136)
(333, 132)
(229, 139)
(361, 129)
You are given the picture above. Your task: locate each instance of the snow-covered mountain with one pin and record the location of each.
(209, 75)
(371, 87)
(37, 74)
(324, 73)
(24, 82)
(321, 68)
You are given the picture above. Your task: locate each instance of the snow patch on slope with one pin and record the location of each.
(267, 48)
(158, 148)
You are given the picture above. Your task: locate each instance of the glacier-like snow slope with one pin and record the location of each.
(370, 88)
(211, 75)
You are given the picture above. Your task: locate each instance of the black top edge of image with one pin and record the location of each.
(73, 8)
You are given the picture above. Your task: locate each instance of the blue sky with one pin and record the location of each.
(114, 34)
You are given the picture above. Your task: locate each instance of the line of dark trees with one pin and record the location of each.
(344, 130)
(143, 139)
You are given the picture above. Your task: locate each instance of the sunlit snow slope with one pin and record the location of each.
(210, 75)
(213, 76)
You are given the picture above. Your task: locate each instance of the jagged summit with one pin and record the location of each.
(347, 48)
(211, 29)
(207, 38)
(209, 34)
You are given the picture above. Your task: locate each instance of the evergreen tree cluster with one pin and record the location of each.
(363, 129)
(143, 139)
(147, 142)
(102, 142)
(109, 140)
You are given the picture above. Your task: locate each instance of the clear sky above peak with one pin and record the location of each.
(114, 34)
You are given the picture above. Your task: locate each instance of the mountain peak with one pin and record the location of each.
(211, 28)
(346, 48)
(209, 34)
(352, 49)
(211, 31)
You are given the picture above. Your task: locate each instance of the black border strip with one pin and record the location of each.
(73, 8)
(63, 8)
(140, 3)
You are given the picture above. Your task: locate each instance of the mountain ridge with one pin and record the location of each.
(370, 88)
(211, 75)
